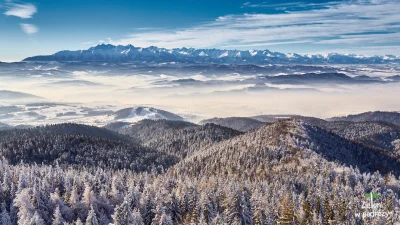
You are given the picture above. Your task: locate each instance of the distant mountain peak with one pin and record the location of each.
(130, 53)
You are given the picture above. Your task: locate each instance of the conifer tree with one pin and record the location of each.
(78, 222)
(328, 212)
(88, 197)
(165, 219)
(5, 217)
(23, 202)
(287, 216)
(73, 199)
(57, 217)
(257, 209)
(137, 218)
(123, 214)
(233, 205)
(148, 213)
(37, 220)
(308, 214)
(41, 204)
(175, 210)
(341, 211)
(247, 209)
(91, 218)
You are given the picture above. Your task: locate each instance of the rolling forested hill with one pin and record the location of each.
(238, 123)
(175, 172)
(177, 137)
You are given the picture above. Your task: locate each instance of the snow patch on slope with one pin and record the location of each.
(225, 54)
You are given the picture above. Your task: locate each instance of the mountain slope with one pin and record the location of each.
(189, 55)
(116, 126)
(4, 126)
(61, 129)
(378, 134)
(71, 144)
(273, 118)
(177, 138)
(237, 123)
(389, 117)
(289, 143)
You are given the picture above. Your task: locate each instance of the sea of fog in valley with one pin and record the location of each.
(86, 92)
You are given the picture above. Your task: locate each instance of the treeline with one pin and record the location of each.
(54, 195)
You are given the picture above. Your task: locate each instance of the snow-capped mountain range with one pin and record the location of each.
(130, 53)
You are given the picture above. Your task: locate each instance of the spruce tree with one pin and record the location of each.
(287, 216)
(57, 217)
(175, 210)
(137, 218)
(308, 214)
(37, 220)
(233, 205)
(78, 222)
(148, 213)
(328, 212)
(5, 217)
(91, 218)
(123, 214)
(341, 211)
(165, 219)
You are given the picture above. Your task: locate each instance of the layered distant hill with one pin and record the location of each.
(390, 117)
(129, 53)
(12, 95)
(237, 123)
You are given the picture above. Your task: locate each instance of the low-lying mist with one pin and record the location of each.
(210, 90)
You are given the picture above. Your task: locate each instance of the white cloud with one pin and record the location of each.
(29, 28)
(23, 11)
(350, 23)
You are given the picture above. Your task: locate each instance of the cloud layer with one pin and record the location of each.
(346, 25)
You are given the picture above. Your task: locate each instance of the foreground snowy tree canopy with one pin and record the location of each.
(288, 172)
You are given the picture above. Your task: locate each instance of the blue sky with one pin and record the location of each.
(35, 27)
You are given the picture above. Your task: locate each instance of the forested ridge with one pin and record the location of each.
(60, 129)
(73, 144)
(389, 117)
(175, 172)
(287, 141)
(237, 123)
(378, 134)
(177, 137)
